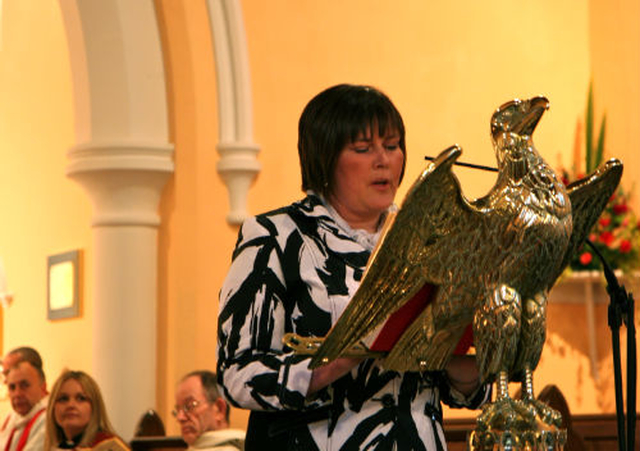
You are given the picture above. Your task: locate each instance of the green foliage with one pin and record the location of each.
(593, 157)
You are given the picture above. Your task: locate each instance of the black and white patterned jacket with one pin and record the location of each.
(294, 270)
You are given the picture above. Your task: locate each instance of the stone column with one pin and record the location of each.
(124, 182)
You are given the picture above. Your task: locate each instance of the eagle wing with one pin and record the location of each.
(589, 197)
(407, 256)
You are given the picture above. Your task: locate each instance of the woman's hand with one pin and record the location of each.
(325, 375)
(462, 372)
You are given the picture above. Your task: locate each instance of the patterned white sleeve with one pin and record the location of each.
(255, 313)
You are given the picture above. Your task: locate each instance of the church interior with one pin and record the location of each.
(141, 133)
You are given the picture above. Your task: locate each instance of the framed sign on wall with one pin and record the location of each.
(63, 285)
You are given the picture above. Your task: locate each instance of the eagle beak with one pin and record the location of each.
(529, 120)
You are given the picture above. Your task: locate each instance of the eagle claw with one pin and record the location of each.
(513, 424)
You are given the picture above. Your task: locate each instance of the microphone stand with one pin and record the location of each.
(622, 309)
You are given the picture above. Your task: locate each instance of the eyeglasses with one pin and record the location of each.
(186, 408)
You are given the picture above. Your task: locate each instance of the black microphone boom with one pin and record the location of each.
(622, 309)
(468, 165)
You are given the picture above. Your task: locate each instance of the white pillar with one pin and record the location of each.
(238, 165)
(123, 159)
(124, 182)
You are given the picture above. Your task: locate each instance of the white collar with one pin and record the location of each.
(366, 239)
(212, 438)
(21, 421)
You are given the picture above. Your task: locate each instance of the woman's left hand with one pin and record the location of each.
(462, 372)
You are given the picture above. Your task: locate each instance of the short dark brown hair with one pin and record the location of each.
(336, 117)
(31, 356)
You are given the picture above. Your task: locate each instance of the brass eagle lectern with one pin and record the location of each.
(489, 263)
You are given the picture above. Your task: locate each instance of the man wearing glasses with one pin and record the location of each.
(204, 415)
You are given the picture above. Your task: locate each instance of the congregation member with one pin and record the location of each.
(77, 417)
(24, 427)
(203, 414)
(296, 268)
(8, 360)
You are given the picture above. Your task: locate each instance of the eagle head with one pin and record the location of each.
(518, 117)
(512, 125)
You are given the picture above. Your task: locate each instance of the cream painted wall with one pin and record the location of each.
(195, 241)
(446, 65)
(44, 213)
(614, 29)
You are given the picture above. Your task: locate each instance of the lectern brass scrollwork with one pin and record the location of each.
(490, 262)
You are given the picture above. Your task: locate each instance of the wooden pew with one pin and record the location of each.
(150, 435)
(157, 444)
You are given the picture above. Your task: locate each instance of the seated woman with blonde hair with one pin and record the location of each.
(77, 417)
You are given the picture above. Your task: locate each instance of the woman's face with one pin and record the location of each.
(72, 410)
(366, 178)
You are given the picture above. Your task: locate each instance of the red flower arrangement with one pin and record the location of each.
(617, 233)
